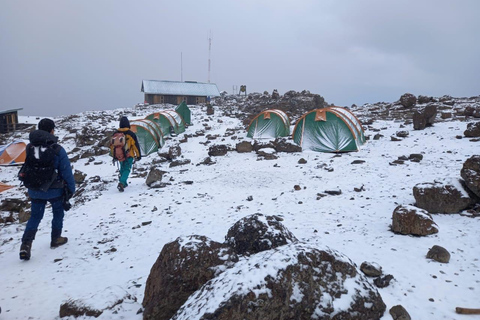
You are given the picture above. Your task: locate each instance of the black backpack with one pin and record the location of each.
(38, 171)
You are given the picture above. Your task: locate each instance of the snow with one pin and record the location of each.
(109, 247)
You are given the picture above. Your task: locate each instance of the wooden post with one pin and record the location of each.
(461, 310)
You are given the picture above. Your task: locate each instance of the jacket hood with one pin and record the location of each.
(124, 123)
(42, 138)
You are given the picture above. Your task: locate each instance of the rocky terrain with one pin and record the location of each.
(364, 235)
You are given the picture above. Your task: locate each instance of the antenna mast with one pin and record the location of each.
(209, 51)
(181, 66)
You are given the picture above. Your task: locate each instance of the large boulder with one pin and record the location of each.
(258, 233)
(473, 130)
(471, 174)
(472, 111)
(294, 281)
(182, 267)
(424, 117)
(408, 100)
(409, 220)
(442, 196)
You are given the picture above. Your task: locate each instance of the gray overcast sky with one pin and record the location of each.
(67, 56)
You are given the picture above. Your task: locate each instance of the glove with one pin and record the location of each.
(67, 194)
(138, 158)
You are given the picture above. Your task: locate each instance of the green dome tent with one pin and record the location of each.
(332, 129)
(271, 123)
(184, 112)
(149, 135)
(169, 121)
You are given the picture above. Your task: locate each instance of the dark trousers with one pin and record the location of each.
(38, 210)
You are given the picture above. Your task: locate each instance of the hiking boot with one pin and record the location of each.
(120, 187)
(58, 242)
(25, 249)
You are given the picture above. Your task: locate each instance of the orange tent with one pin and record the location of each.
(13, 153)
(4, 187)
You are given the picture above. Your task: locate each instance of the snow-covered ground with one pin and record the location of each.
(110, 251)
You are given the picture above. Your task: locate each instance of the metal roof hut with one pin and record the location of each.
(9, 120)
(175, 92)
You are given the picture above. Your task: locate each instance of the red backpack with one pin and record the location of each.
(117, 146)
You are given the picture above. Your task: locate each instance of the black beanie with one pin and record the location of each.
(124, 123)
(46, 125)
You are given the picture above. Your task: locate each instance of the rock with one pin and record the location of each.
(471, 111)
(179, 163)
(409, 220)
(470, 173)
(371, 269)
(77, 309)
(207, 161)
(259, 145)
(174, 152)
(267, 154)
(217, 150)
(182, 268)
(424, 99)
(275, 94)
(286, 286)
(447, 196)
(24, 215)
(446, 115)
(244, 146)
(415, 157)
(383, 282)
(362, 188)
(402, 134)
(424, 117)
(302, 161)
(79, 176)
(282, 145)
(256, 233)
(473, 130)
(336, 192)
(154, 177)
(96, 304)
(357, 162)
(468, 111)
(408, 100)
(439, 254)
(14, 205)
(399, 313)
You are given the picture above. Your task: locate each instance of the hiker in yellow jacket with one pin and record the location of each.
(125, 151)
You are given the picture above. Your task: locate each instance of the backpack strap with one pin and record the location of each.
(57, 183)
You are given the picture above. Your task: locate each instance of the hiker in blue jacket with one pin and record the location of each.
(55, 194)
